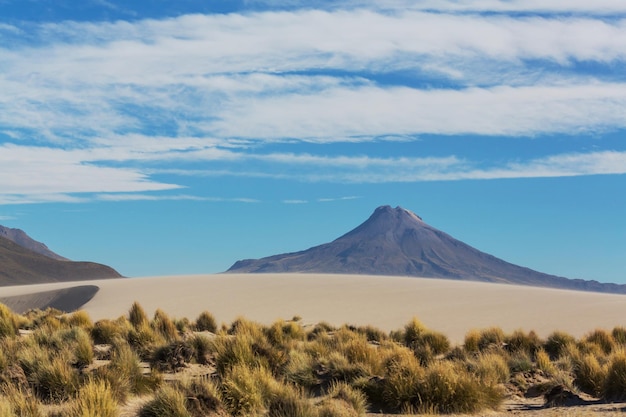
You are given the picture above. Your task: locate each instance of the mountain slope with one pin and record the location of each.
(19, 237)
(19, 266)
(397, 242)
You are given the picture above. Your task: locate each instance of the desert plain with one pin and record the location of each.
(387, 302)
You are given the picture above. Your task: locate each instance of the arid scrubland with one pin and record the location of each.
(54, 364)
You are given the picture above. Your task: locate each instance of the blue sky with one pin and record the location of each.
(176, 137)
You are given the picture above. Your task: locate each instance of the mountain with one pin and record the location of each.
(18, 236)
(19, 266)
(395, 241)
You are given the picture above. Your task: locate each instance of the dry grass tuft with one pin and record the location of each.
(167, 402)
(205, 323)
(94, 399)
(615, 383)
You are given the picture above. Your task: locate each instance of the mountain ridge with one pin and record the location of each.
(21, 266)
(396, 241)
(20, 237)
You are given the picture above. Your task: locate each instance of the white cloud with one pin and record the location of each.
(103, 108)
(327, 200)
(357, 113)
(598, 7)
(295, 201)
(48, 172)
(179, 197)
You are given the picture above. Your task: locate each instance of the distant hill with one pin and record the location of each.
(19, 266)
(21, 238)
(395, 241)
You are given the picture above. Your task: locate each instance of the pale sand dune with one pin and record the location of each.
(452, 307)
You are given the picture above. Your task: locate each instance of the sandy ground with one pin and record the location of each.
(65, 299)
(452, 307)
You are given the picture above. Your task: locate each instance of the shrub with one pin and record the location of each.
(124, 373)
(206, 323)
(544, 363)
(19, 403)
(6, 408)
(8, 322)
(232, 351)
(137, 315)
(321, 329)
(79, 319)
(615, 383)
(182, 325)
(144, 340)
(520, 362)
(413, 331)
(54, 380)
(337, 367)
(335, 408)
(399, 390)
(490, 338)
(201, 349)
(289, 402)
(619, 335)
(300, 369)
(172, 357)
(355, 398)
(167, 402)
(283, 332)
(556, 343)
(601, 338)
(519, 341)
(447, 388)
(162, 324)
(83, 350)
(491, 369)
(373, 334)
(108, 331)
(589, 374)
(94, 399)
(246, 390)
(202, 397)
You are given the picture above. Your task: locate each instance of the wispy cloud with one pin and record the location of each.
(117, 109)
(295, 201)
(327, 200)
(179, 197)
(529, 6)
